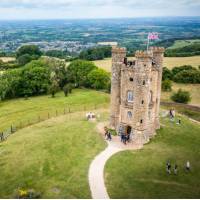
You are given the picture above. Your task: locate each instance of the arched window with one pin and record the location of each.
(144, 82)
(130, 96)
(142, 102)
(129, 114)
(141, 121)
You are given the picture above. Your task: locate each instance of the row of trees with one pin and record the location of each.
(182, 74)
(50, 75)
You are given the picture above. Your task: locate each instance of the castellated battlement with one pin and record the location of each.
(143, 54)
(157, 49)
(116, 49)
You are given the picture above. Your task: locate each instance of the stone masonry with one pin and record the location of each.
(135, 93)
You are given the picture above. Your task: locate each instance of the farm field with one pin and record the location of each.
(51, 157)
(183, 43)
(14, 112)
(192, 88)
(142, 173)
(169, 62)
(7, 59)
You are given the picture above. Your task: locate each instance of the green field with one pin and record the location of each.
(20, 111)
(183, 43)
(51, 157)
(142, 174)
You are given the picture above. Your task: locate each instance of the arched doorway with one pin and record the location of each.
(128, 130)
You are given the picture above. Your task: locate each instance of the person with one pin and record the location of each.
(106, 132)
(175, 169)
(179, 122)
(187, 166)
(168, 167)
(109, 136)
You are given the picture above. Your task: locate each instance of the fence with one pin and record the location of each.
(45, 115)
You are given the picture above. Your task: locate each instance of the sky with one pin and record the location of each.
(76, 9)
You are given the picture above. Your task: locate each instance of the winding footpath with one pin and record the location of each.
(96, 170)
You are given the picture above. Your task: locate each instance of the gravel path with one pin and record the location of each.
(96, 170)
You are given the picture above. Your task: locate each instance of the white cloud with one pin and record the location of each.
(96, 8)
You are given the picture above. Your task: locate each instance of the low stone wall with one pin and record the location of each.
(190, 107)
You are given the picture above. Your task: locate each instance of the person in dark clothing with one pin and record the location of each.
(175, 169)
(109, 136)
(168, 167)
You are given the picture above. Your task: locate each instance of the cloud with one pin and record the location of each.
(97, 8)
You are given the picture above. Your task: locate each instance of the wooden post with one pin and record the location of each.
(48, 115)
(39, 118)
(64, 111)
(69, 110)
(11, 129)
(56, 113)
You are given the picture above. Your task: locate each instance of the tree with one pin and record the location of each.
(176, 70)
(53, 88)
(24, 59)
(166, 85)
(66, 90)
(77, 72)
(167, 74)
(181, 96)
(188, 76)
(99, 79)
(30, 50)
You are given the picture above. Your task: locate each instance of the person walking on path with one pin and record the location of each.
(109, 136)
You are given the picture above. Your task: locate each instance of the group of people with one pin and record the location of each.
(175, 169)
(125, 138)
(107, 134)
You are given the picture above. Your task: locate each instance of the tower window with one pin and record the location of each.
(141, 121)
(130, 96)
(131, 79)
(143, 82)
(129, 114)
(142, 102)
(145, 65)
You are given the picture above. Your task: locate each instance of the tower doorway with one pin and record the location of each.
(128, 130)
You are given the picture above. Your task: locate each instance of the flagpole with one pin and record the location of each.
(148, 43)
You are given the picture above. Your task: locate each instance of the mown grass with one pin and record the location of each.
(51, 157)
(169, 62)
(17, 111)
(142, 173)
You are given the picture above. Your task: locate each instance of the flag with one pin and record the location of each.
(153, 36)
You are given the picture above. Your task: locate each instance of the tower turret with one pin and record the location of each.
(118, 55)
(142, 97)
(158, 55)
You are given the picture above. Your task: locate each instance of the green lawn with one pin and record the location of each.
(19, 111)
(51, 157)
(142, 174)
(183, 43)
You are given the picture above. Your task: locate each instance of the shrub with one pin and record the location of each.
(29, 49)
(188, 76)
(53, 88)
(167, 74)
(99, 79)
(181, 96)
(166, 85)
(176, 70)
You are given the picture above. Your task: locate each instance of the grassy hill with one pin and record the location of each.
(183, 43)
(142, 174)
(51, 157)
(20, 111)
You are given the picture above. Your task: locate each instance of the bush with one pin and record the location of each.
(176, 70)
(66, 90)
(53, 88)
(167, 74)
(166, 85)
(77, 72)
(99, 79)
(188, 76)
(24, 59)
(181, 96)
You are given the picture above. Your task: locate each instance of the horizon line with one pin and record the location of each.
(106, 18)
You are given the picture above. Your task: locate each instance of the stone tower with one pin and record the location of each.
(135, 93)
